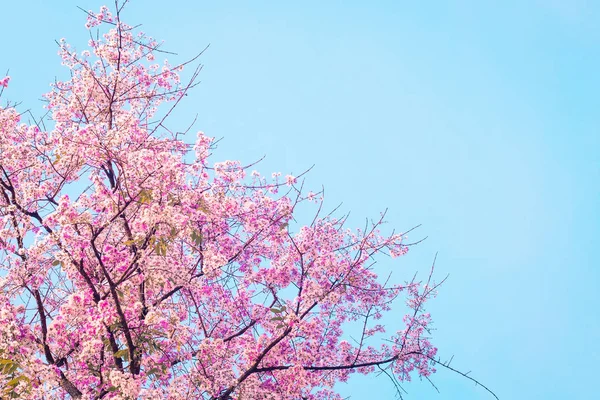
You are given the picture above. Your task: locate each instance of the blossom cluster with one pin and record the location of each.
(129, 271)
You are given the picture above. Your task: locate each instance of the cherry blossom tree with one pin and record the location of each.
(132, 267)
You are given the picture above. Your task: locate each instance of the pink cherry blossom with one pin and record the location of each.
(132, 266)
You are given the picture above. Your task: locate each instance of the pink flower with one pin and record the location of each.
(160, 261)
(290, 180)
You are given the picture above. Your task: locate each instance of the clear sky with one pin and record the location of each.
(480, 122)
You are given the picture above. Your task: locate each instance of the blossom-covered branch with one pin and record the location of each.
(132, 266)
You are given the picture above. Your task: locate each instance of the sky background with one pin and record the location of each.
(480, 122)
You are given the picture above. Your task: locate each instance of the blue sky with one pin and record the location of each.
(479, 122)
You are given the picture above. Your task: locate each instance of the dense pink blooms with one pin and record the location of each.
(132, 267)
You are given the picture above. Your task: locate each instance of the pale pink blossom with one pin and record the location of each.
(134, 266)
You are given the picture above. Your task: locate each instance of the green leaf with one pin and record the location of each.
(154, 371)
(276, 310)
(202, 207)
(11, 369)
(161, 247)
(8, 366)
(145, 196)
(55, 263)
(116, 325)
(15, 381)
(197, 238)
(122, 354)
(152, 347)
(277, 319)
